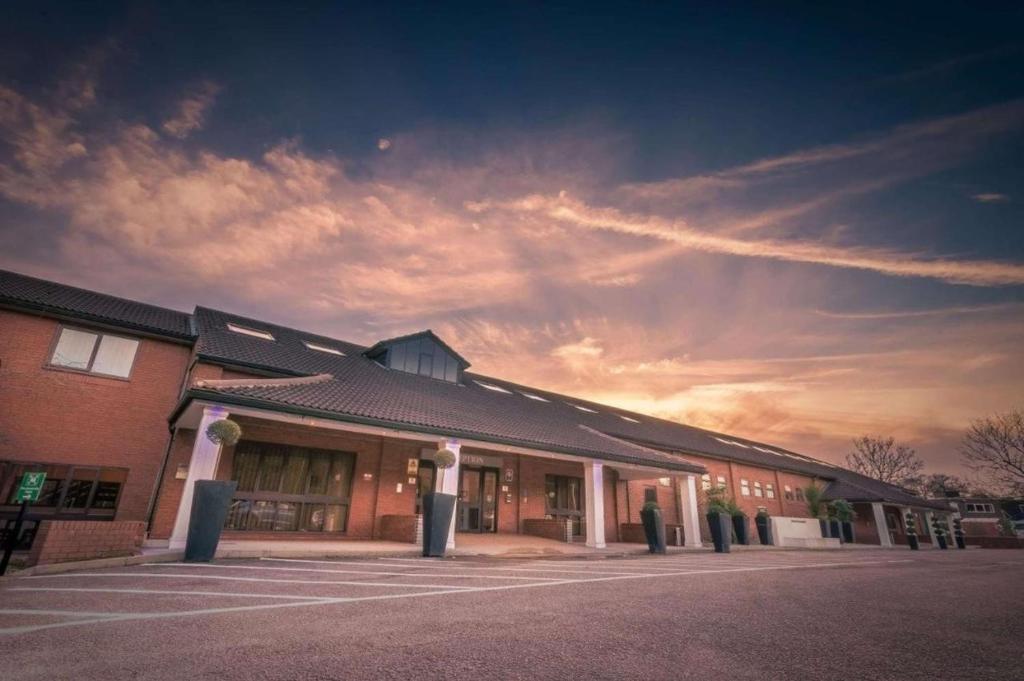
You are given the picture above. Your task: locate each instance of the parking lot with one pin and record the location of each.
(750, 613)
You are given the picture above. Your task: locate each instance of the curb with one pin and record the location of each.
(97, 563)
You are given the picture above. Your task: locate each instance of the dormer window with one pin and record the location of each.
(420, 353)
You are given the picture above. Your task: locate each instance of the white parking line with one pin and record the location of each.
(447, 591)
(347, 572)
(496, 568)
(58, 613)
(233, 578)
(168, 592)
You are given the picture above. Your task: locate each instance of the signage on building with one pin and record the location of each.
(30, 487)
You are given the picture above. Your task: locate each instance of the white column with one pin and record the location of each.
(931, 529)
(688, 507)
(593, 479)
(450, 484)
(202, 466)
(884, 538)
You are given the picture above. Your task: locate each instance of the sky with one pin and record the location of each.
(798, 225)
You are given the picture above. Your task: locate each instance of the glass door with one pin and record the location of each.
(478, 500)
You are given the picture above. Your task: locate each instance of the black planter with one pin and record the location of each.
(438, 510)
(825, 530)
(960, 543)
(835, 529)
(941, 539)
(847, 528)
(211, 500)
(912, 542)
(654, 529)
(764, 530)
(739, 526)
(721, 531)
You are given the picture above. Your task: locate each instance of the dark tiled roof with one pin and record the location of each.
(853, 486)
(20, 291)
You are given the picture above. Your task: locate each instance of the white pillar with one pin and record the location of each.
(202, 466)
(688, 507)
(931, 529)
(884, 538)
(450, 484)
(593, 479)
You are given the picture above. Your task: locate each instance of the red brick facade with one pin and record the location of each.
(49, 415)
(63, 541)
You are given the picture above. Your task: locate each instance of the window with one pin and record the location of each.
(563, 498)
(628, 418)
(799, 494)
(788, 492)
(650, 495)
(582, 408)
(323, 348)
(721, 482)
(495, 388)
(289, 489)
(255, 333)
(420, 355)
(705, 481)
(981, 508)
(69, 491)
(769, 490)
(94, 352)
(744, 487)
(538, 398)
(758, 491)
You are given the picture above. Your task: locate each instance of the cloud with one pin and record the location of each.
(990, 197)
(191, 111)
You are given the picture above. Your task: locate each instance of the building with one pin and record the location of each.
(981, 516)
(112, 398)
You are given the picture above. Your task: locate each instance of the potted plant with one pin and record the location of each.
(958, 533)
(911, 524)
(844, 514)
(438, 509)
(813, 494)
(719, 519)
(739, 523)
(654, 526)
(764, 530)
(224, 432)
(939, 533)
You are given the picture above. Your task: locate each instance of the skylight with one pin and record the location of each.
(582, 408)
(535, 397)
(733, 443)
(323, 348)
(628, 418)
(265, 335)
(491, 386)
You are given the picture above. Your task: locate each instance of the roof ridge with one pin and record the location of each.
(94, 292)
(262, 382)
(634, 445)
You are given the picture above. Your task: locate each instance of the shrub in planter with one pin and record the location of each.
(740, 529)
(844, 514)
(719, 519)
(911, 524)
(438, 509)
(939, 534)
(224, 432)
(764, 528)
(958, 533)
(654, 527)
(812, 495)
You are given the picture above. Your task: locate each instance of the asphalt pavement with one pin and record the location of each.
(885, 614)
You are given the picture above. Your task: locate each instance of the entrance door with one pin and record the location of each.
(478, 499)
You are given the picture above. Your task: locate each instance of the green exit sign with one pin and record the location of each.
(30, 487)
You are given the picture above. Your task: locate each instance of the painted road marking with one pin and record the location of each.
(382, 597)
(495, 568)
(233, 578)
(58, 613)
(168, 592)
(347, 572)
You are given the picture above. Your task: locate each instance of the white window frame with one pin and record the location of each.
(89, 368)
(744, 487)
(323, 348)
(769, 490)
(758, 490)
(705, 481)
(722, 482)
(246, 331)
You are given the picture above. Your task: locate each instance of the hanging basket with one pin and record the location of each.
(224, 432)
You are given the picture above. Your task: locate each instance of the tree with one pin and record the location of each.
(994, 447)
(882, 458)
(936, 484)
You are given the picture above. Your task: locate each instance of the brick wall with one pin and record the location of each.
(548, 529)
(62, 541)
(864, 528)
(54, 416)
(398, 528)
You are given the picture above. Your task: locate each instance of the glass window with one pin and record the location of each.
(396, 356)
(69, 491)
(788, 491)
(74, 349)
(451, 368)
(769, 490)
(758, 491)
(799, 494)
(271, 467)
(705, 481)
(744, 487)
(721, 481)
(96, 353)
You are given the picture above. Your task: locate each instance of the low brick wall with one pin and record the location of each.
(62, 541)
(995, 542)
(545, 527)
(633, 533)
(398, 528)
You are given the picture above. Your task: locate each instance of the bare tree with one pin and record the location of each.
(937, 484)
(994, 447)
(882, 458)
